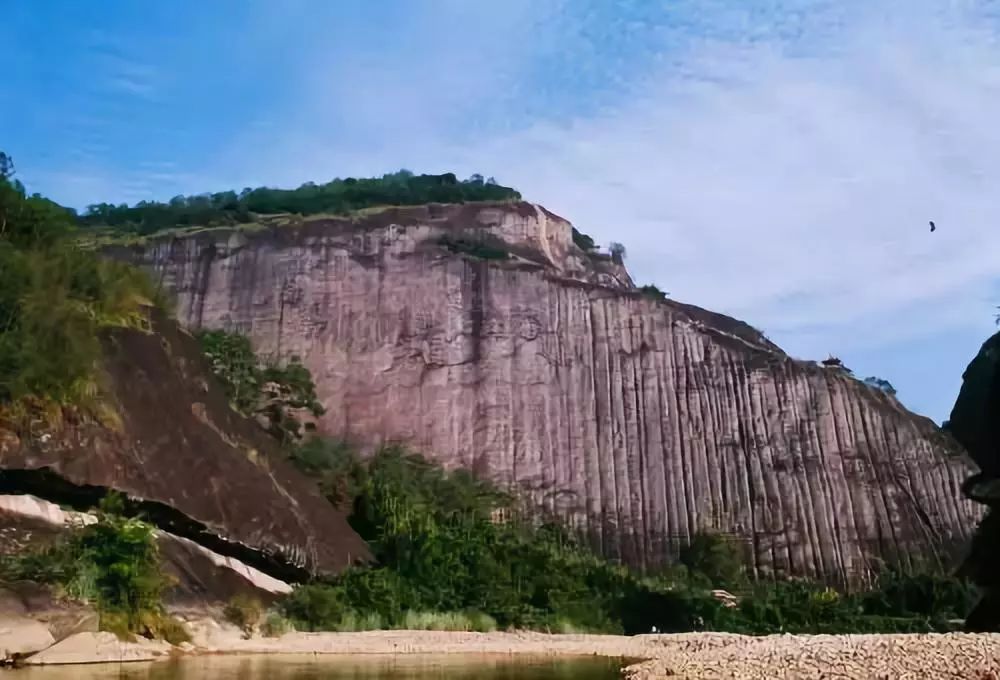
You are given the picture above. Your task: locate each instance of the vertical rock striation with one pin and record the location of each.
(642, 421)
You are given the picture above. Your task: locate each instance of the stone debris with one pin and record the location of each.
(952, 656)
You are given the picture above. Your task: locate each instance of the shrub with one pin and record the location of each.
(256, 388)
(113, 563)
(653, 292)
(164, 627)
(276, 625)
(880, 384)
(244, 611)
(583, 241)
(480, 246)
(55, 299)
(314, 607)
(124, 553)
(715, 558)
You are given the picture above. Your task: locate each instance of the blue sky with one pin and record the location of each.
(770, 159)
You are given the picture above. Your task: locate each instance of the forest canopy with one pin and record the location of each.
(336, 197)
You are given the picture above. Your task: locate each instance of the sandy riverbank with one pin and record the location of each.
(695, 656)
(692, 655)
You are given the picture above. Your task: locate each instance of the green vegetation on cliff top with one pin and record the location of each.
(340, 196)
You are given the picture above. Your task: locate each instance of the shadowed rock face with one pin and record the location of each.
(187, 461)
(975, 422)
(641, 421)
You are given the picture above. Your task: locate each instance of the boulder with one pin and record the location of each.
(99, 648)
(21, 636)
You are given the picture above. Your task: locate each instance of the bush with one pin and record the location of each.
(126, 560)
(714, 558)
(113, 563)
(583, 241)
(653, 292)
(161, 626)
(276, 625)
(314, 607)
(256, 388)
(54, 301)
(244, 611)
(480, 246)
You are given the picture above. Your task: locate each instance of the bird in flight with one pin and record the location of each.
(932, 225)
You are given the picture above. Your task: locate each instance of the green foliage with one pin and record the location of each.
(617, 251)
(583, 241)
(54, 302)
(271, 391)
(651, 291)
(803, 607)
(124, 553)
(315, 607)
(338, 471)
(338, 196)
(715, 559)
(275, 625)
(112, 563)
(443, 560)
(244, 611)
(477, 246)
(879, 383)
(920, 595)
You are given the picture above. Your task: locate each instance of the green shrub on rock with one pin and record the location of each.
(244, 611)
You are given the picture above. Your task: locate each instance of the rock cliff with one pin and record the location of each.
(641, 420)
(975, 422)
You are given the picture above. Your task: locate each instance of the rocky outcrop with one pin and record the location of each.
(21, 636)
(197, 575)
(100, 648)
(185, 460)
(643, 421)
(975, 422)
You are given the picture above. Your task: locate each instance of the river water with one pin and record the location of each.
(451, 667)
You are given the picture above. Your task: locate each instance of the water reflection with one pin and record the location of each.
(449, 667)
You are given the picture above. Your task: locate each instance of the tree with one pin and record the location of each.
(880, 384)
(617, 251)
(272, 392)
(6, 166)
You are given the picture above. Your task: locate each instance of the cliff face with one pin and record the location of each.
(185, 460)
(975, 422)
(642, 421)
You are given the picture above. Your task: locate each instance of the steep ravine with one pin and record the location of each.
(643, 421)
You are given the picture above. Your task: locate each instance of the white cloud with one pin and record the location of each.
(792, 191)
(781, 168)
